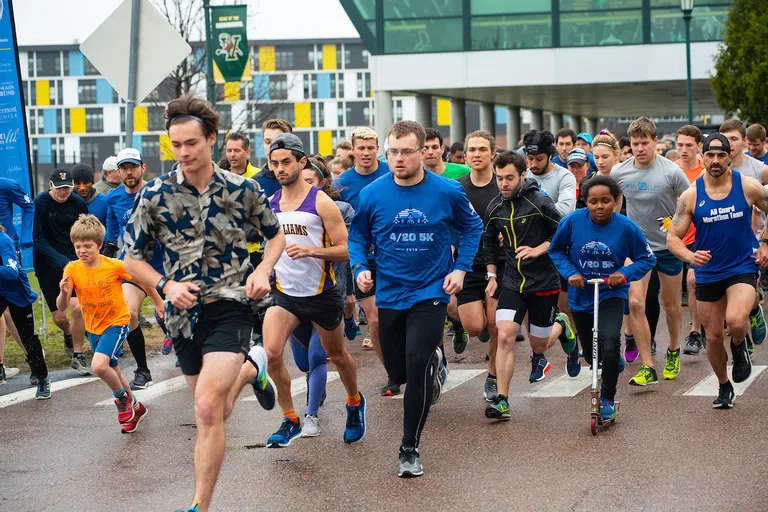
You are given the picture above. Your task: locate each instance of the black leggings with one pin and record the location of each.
(408, 340)
(609, 340)
(25, 324)
(652, 307)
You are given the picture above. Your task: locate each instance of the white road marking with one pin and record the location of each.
(155, 390)
(562, 386)
(298, 386)
(455, 379)
(29, 394)
(708, 386)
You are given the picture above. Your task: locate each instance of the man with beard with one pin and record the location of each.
(83, 176)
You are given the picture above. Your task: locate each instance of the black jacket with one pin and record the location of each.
(529, 218)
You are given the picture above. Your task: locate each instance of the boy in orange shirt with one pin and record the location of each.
(98, 281)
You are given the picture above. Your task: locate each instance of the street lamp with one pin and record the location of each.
(687, 7)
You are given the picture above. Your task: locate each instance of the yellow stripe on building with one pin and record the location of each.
(266, 58)
(329, 57)
(302, 114)
(77, 120)
(165, 148)
(325, 142)
(443, 112)
(43, 93)
(232, 91)
(140, 119)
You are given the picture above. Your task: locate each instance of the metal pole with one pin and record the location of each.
(209, 58)
(133, 63)
(687, 19)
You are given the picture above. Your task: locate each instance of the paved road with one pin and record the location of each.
(668, 450)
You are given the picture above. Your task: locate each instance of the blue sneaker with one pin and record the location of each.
(350, 328)
(354, 432)
(757, 326)
(573, 363)
(262, 388)
(43, 389)
(288, 431)
(607, 409)
(190, 509)
(539, 367)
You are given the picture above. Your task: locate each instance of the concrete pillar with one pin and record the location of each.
(578, 124)
(513, 126)
(424, 110)
(537, 119)
(592, 126)
(385, 116)
(555, 121)
(458, 120)
(488, 118)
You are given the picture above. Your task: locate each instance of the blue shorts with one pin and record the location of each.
(110, 342)
(667, 263)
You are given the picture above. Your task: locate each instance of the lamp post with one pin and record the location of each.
(687, 7)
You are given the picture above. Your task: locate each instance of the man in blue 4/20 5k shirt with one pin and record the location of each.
(410, 216)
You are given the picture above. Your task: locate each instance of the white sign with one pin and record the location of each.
(161, 49)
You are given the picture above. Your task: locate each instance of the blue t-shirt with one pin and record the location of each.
(119, 208)
(592, 165)
(351, 183)
(14, 286)
(412, 229)
(97, 206)
(581, 246)
(12, 193)
(763, 158)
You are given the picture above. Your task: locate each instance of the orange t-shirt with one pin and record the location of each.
(100, 293)
(692, 175)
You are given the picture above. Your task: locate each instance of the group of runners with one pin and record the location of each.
(504, 243)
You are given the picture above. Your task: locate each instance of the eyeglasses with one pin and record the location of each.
(405, 152)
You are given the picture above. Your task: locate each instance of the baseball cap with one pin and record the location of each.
(129, 155)
(577, 156)
(61, 178)
(716, 141)
(540, 143)
(287, 141)
(83, 172)
(585, 137)
(110, 164)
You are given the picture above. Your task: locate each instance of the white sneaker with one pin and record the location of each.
(311, 426)
(367, 343)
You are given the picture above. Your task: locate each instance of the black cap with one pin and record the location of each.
(83, 172)
(61, 178)
(541, 143)
(287, 141)
(716, 141)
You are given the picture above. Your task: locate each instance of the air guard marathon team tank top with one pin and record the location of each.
(724, 227)
(303, 277)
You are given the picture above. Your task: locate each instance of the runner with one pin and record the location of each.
(270, 129)
(97, 280)
(651, 184)
(344, 150)
(56, 210)
(756, 137)
(526, 219)
(195, 214)
(83, 177)
(238, 151)
(110, 178)
(594, 243)
(565, 141)
(409, 217)
(626, 148)
(305, 286)
(456, 153)
(720, 205)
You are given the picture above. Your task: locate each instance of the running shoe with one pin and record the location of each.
(750, 345)
(622, 365)
(125, 410)
(391, 389)
(484, 335)
(520, 337)
(672, 365)
(354, 432)
(460, 340)
(190, 509)
(143, 322)
(539, 367)
(361, 317)
(367, 343)
(139, 413)
(692, 344)
(7, 373)
(288, 431)
(43, 389)
(69, 345)
(573, 363)
(79, 365)
(630, 349)
(437, 382)
(410, 463)
(607, 409)
(757, 326)
(167, 346)
(262, 388)
(725, 397)
(742, 363)
(177, 363)
(498, 409)
(142, 379)
(350, 328)
(567, 336)
(490, 389)
(645, 376)
(311, 426)
(653, 347)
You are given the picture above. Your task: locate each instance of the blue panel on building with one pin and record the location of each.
(258, 145)
(76, 63)
(44, 154)
(261, 87)
(50, 121)
(137, 142)
(323, 85)
(501, 115)
(103, 92)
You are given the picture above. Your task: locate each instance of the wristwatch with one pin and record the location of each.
(489, 275)
(764, 240)
(161, 284)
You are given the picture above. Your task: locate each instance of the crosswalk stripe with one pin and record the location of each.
(29, 394)
(709, 385)
(155, 390)
(455, 378)
(561, 387)
(298, 386)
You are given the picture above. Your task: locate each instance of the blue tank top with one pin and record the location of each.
(724, 227)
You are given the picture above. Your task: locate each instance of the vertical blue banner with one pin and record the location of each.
(14, 144)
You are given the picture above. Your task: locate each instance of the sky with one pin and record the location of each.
(72, 21)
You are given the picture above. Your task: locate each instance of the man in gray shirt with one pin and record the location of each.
(555, 181)
(651, 185)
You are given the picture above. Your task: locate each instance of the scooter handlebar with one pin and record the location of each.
(604, 280)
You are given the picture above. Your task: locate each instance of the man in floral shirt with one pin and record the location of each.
(197, 213)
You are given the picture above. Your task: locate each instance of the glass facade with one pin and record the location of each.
(405, 26)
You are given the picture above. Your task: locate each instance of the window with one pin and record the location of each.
(278, 87)
(511, 32)
(667, 24)
(48, 63)
(225, 116)
(89, 148)
(310, 86)
(31, 64)
(601, 28)
(89, 68)
(32, 121)
(340, 114)
(60, 94)
(315, 58)
(398, 110)
(86, 92)
(358, 113)
(363, 85)
(155, 118)
(94, 120)
(355, 57)
(150, 147)
(284, 60)
(320, 114)
(402, 9)
(423, 35)
(488, 7)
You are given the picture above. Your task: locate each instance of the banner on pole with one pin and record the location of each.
(229, 43)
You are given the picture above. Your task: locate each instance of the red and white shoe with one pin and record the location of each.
(125, 412)
(140, 412)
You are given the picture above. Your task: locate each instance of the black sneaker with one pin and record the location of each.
(742, 363)
(144, 323)
(410, 463)
(142, 379)
(391, 389)
(520, 337)
(692, 343)
(725, 397)
(69, 345)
